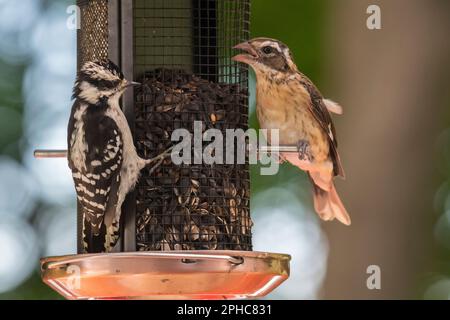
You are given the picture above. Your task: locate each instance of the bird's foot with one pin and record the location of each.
(158, 160)
(159, 157)
(304, 150)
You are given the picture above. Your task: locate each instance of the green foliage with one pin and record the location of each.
(11, 108)
(32, 289)
(298, 23)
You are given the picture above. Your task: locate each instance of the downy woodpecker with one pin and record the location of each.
(101, 153)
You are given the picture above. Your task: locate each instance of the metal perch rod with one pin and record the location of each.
(44, 154)
(276, 149)
(40, 153)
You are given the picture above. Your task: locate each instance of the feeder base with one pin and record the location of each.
(202, 274)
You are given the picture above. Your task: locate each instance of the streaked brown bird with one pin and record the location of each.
(288, 101)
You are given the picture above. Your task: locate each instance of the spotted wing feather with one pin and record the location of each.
(97, 181)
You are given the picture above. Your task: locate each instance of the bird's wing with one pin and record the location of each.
(97, 184)
(70, 132)
(322, 115)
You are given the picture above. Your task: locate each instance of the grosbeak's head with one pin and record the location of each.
(266, 55)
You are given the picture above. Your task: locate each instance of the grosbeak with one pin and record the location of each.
(288, 101)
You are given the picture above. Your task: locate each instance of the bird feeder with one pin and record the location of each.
(186, 229)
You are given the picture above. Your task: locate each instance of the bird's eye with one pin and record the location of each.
(267, 49)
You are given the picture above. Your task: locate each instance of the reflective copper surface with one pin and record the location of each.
(166, 275)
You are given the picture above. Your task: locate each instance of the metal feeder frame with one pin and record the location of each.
(125, 274)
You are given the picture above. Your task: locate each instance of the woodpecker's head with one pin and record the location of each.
(99, 81)
(266, 55)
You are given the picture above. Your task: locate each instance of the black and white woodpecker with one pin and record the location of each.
(101, 153)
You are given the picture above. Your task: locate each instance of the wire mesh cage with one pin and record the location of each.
(93, 35)
(180, 50)
(183, 57)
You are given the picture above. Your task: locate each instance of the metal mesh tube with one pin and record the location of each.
(183, 57)
(92, 44)
(92, 37)
(181, 51)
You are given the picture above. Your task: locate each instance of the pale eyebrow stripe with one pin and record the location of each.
(271, 43)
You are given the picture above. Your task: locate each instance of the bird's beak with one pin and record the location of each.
(132, 84)
(248, 57)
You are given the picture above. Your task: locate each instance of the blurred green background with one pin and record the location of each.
(394, 141)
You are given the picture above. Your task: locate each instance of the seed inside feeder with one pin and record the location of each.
(189, 207)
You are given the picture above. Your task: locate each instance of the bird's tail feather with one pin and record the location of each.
(333, 106)
(328, 205)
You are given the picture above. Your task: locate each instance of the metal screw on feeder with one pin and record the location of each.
(186, 231)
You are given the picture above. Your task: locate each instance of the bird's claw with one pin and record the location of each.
(304, 150)
(158, 160)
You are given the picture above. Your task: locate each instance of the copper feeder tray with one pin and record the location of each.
(206, 274)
